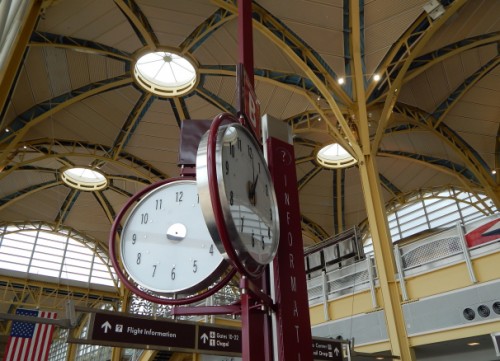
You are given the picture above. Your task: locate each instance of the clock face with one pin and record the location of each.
(246, 195)
(165, 243)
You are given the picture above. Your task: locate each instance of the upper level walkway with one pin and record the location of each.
(449, 283)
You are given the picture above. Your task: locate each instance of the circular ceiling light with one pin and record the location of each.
(334, 156)
(84, 179)
(165, 73)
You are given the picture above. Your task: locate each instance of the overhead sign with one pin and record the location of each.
(219, 339)
(325, 349)
(131, 330)
(119, 330)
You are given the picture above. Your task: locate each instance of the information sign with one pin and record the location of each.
(142, 331)
(219, 339)
(324, 349)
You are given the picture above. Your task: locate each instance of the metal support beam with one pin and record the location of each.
(384, 260)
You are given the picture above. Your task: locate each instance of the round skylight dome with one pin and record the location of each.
(335, 156)
(84, 179)
(165, 73)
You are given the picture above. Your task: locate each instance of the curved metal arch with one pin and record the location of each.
(396, 64)
(139, 22)
(134, 118)
(443, 109)
(105, 205)
(278, 78)
(66, 207)
(40, 38)
(203, 31)
(309, 176)
(457, 170)
(389, 186)
(214, 100)
(95, 151)
(424, 62)
(470, 156)
(9, 199)
(313, 230)
(180, 109)
(36, 114)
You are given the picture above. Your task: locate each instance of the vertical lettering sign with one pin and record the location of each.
(293, 322)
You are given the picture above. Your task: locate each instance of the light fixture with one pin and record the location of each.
(376, 77)
(434, 9)
(334, 156)
(84, 179)
(165, 73)
(493, 171)
(473, 344)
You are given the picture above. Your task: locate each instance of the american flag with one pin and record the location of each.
(30, 341)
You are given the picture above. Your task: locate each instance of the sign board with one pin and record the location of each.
(325, 349)
(292, 317)
(219, 339)
(142, 331)
(119, 330)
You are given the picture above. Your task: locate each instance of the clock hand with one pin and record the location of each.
(251, 191)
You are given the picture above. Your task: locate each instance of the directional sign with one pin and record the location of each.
(219, 339)
(141, 331)
(326, 349)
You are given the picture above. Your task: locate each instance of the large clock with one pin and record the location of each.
(165, 246)
(237, 196)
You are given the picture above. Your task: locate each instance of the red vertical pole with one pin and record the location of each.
(245, 37)
(255, 323)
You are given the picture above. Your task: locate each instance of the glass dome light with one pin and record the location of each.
(84, 179)
(165, 73)
(334, 156)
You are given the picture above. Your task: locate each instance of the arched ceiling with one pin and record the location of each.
(431, 121)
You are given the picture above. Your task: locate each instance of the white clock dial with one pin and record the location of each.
(165, 243)
(246, 194)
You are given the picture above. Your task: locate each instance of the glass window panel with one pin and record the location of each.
(44, 264)
(14, 258)
(101, 281)
(77, 262)
(415, 230)
(50, 243)
(100, 266)
(21, 237)
(16, 252)
(77, 277)
(100, 274)
(49, 250)
(81, 256)
(73, 269)
(44, 272)
(7, 242)
(14, 266)
(77, 248)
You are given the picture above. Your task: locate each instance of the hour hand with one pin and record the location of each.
(251, 191)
